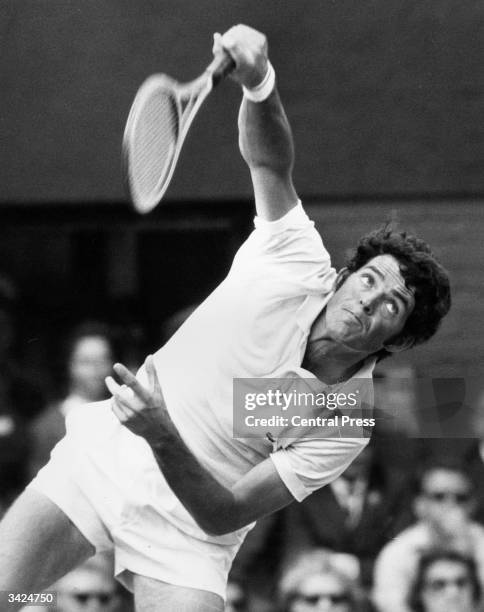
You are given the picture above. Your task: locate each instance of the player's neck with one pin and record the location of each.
(330, 362)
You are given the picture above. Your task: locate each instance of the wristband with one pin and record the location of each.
(262, 91)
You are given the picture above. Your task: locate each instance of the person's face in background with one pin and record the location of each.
(447, 587)
(445, 504)
(90, 362)
(87, 590)
(321, 593)
(444, 491)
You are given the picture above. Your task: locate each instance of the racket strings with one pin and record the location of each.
(155, 142)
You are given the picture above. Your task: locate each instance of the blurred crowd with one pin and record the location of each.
(402, 530)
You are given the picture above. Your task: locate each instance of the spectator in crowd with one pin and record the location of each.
(89, 588)
(474, 457)
(316, 583)
(88, 360)
(20, 401)
(351, 515)
(446, 581)
(443, 508)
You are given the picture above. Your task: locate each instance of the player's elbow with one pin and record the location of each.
(279, 162)
(216, 530)
(213, 529)
(220, 524)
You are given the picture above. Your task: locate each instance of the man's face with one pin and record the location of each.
(445, 501)
(321, 593)
(90, 363)
(86, 590)
(368, 309)
(447, 586)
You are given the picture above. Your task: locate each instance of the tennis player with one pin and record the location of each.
(154, 473)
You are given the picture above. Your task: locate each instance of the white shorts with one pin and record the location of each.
(143, 541)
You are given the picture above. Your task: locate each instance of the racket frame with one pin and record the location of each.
(188, 98)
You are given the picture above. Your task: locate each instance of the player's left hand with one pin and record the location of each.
(142, 410)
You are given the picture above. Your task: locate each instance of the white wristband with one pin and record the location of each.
(262, 91)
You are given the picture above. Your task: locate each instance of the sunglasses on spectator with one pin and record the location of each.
(104, 599)
(440, 496)
(334, 598)
(439, 584)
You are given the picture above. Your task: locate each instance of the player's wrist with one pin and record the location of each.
(263, 90)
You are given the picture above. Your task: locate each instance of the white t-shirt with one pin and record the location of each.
(255, 324)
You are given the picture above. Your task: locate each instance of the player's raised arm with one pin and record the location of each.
(265, 137)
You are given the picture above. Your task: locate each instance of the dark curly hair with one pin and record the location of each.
(427, 561)
(421, 272)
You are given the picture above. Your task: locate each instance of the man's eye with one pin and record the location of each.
(367, 279)
(391, 307)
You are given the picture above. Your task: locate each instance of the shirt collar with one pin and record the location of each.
(366, 370)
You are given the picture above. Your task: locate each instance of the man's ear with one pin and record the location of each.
(340, 278)
(399, 344)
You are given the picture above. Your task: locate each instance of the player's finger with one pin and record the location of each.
(122, 391)
(131, 381)
(157, 388)
(248, 49)
(153, 381)
(119, 411)
(217, 43)
(112, 385)
(240, 37)
(229, 40)
(122, 395)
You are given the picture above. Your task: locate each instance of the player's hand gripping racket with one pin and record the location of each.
(158, 122)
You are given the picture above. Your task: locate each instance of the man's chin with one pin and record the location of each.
(354, 345)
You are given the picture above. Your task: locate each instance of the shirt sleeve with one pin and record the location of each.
(294, 218)
(310, 464)
(395, 568)
(290, 246)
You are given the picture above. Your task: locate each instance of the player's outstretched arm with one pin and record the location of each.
(265, 137)
(216, 509)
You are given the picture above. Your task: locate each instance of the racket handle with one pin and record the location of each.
(220, 67)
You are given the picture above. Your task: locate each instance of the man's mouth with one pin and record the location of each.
(355, 317)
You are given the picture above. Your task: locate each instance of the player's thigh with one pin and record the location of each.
(154, 596)
(38, 544)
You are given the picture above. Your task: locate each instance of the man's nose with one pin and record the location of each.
(367, 304)
(96, 606)
(324, 605)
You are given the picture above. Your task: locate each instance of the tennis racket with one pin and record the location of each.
(158, 122)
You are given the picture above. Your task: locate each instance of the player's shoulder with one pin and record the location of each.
(293, 235)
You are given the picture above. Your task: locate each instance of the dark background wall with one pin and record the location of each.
(385, 96)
